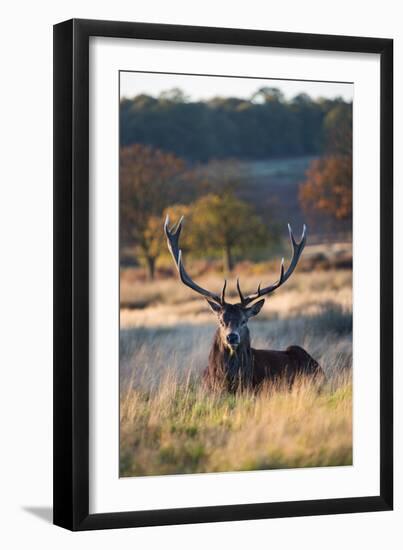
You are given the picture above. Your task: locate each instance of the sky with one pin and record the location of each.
(205, 87)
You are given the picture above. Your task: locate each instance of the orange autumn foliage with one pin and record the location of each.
(328, 186)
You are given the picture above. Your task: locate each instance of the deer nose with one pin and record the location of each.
(233, 338)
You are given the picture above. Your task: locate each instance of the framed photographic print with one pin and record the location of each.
(223, 321)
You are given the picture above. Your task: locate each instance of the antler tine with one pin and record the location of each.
(297, 249)
(172, 236)
(223, 292)
(241, 296)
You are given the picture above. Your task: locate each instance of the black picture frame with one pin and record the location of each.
(71, 274)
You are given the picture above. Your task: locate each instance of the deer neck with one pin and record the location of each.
(234, 367)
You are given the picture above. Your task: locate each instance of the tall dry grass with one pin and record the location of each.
(170, 425)
(179, 428)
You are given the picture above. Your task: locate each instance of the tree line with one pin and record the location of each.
(263, 126)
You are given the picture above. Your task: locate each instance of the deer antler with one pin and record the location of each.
(173, 235)
(297, 249)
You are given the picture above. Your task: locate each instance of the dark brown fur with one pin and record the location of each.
(248, 368)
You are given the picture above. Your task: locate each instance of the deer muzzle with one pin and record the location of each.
(233, 339)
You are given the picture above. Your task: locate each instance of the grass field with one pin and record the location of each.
(170, 425)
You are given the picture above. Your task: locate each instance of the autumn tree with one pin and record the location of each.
(328, 185)
(223, 223)
(327, 188)
(148, 178)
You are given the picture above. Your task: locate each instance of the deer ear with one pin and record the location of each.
(254, 310)
(215, 307)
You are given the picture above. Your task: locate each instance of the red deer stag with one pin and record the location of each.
(233, 364)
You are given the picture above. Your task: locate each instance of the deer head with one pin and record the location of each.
(233, 322)
(232, 318)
